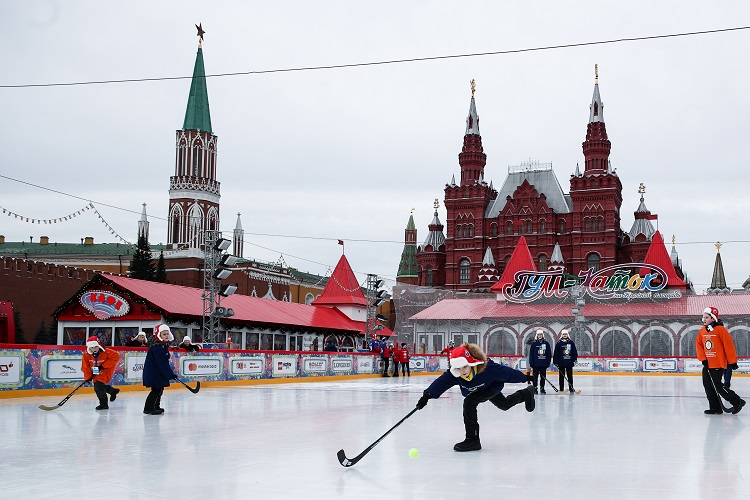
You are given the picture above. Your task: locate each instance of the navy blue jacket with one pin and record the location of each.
(540, 354)
(566, 353)
(157, 372)
(493, 377)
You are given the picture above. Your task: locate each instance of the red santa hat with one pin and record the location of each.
(92, 342)
(460, 357)
(161, 328)
(713, 312)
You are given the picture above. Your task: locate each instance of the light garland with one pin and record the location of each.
(66, 218)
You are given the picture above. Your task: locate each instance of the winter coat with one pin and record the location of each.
(566, 353)
(540, 354)
(493, 377)
(331, 347)
(375, 346)
(402, 355)
(157, 372)
(136, 343)
(190, 347)
(106, 360)
(716, 346)
(385, 351)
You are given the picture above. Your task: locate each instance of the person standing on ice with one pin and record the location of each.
(157, 371)
(564, 358)
(480, 380)
(98, 364)
(540, 357)
(715, 349)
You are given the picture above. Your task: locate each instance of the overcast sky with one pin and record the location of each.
(347, 153)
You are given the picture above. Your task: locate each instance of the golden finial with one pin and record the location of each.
(473, 87)
(596, 72)
(718, 247)
(673, 239)
(436, 204)
(641, 188)
(412, 209)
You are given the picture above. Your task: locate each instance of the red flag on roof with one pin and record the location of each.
(652, 216)
(341, 242)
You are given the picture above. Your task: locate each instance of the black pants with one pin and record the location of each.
(711, 389)
(386, 362)
(537, 372)
(153, 399)
(102, 390)
(405, 368)
(566, 371)
(496, 398)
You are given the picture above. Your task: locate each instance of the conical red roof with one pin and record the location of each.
(657, 255)
(342, 288)
(520, 260)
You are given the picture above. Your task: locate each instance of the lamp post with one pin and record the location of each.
(215, 269)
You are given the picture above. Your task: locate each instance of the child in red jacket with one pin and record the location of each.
(403, 358)
(98, 364)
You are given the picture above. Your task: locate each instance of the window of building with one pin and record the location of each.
(309, 298)
(527, 227)
(561, 225)
(471, 230)
(510, 227)
(592, 261)
(428, 281)
(542, 226)
(464, 272)
(542, 263)
(493, 229)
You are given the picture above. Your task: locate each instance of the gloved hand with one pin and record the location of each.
(705, 363)
(733, 366)
(423, 401)
(529, 378)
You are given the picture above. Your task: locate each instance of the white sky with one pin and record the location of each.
(347, 153)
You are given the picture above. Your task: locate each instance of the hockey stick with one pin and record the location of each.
(194, 391)
(58, 405)
(347, 462)
(550, 383)
(718, 395)
(570, 384)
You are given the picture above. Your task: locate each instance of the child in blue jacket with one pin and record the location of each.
(157, 372)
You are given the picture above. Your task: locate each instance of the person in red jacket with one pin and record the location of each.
(403, 358)
(385, 355)
(715, 348)
(98, 364)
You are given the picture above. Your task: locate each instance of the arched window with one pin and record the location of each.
(561, 225)
(592, 261)
(527, 227)
(428, 280)
(509, 229)
(655, 343)
(471, 230)
(542, 263)
(459, 231)
(501, 344)
(464, 272)
(309, 298)
(600, 222)
(586, 224)
(615, 343)
(494, 229)
(542, 228)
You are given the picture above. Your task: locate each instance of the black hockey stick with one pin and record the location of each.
(346, 462)
(550, 383)
(58, 405)
(194, 391)
(718, 395)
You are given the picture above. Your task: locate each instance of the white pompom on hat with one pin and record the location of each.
(92, 342)
(713, 312)
(460, 357)
(161, 328)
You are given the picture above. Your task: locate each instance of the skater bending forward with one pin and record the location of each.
(480, 380)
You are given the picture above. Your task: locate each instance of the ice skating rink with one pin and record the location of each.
(624, 437)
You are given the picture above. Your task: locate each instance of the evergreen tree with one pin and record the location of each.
(161, 269)
(41, 334)
(141, 266)
(20, 339)
(52, 333)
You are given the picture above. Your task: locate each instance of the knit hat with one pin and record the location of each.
(403, 344)
(460, 357)
(564, 332)
(187, 337)
(538, 331)
(141, 334)
(160, 328)
(713, 312)
(92, 342)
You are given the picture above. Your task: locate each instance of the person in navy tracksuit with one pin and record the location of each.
(480, 380)
(540, 357)
(564, 358)
(157, 371)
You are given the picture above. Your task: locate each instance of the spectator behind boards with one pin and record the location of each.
(138, 341)
(188, 345)
(331, 345)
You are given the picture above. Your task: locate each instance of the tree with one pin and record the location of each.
(20, 339)
(52, 333)
(161, 269)
(141, 266)
(42, 335)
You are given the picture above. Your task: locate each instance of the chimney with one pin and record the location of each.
(89, 240)
(2, 239)
(44, 240)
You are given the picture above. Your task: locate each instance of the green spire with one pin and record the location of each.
(198, 116)
(410, 224)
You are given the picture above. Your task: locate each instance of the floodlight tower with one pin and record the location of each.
(215, 269)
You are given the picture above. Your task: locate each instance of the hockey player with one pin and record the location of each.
(157, 371)
(540, 357)
(715, 348)
(480, 380)
(564, 358)
(98, 364)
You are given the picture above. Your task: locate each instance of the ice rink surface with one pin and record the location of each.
(623, 437)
